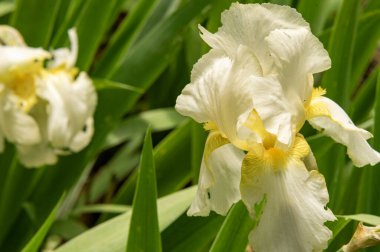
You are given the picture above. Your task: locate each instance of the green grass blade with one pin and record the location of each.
(91, 26)
(6, 8)
(341, 45)
(376, 144)
(366, 218)
(315, 13)
(367, 40)
(35, 20)
(124, 37)
(144, 234)
(233, 235)
(188, 234)
(34, 244)
(172, 159)
(110, 236)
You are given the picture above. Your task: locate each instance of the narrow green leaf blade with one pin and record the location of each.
(366, 218)
(341, 46)
(35, 20)
(34, 244)
(144, 234)
(110, 235)
(233, 235)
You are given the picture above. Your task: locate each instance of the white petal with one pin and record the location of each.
(18, 127)
(65, 56)
(297, 54)
(10, 36)
(21, 59)
(249, 24)
(218, 187)
(294, 214)
(83, 137)
(70, 104)
(220, 91)
(278, 114)
(36, 155)
(335, 123)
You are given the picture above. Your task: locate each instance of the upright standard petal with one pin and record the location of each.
(249, 25)
(297, 54)
(294, 214)
(219, 179)
(324, 114)
(217, 83)
(66, 57)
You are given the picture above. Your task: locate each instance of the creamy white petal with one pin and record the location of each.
(83, 137)
(218, 186)
(70, 104)
(17, 126)
(249, 24)
(20, 59)
(294, 214)
(297, 54)
(36, 155)
(65, 56)
(274, 109)
(220, 91)
(10, 36)
(326, 115)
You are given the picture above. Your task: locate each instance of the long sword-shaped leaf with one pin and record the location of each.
(144, 234)
(35, 20)
(39, 237)
(110, 236)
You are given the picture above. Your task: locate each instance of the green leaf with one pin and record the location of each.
(173, 150)
(316, 13)
(233, 235)
(6, 8)
(144, 234)
(91, 26)
(108, 84)
(188, 234)
(341, 45)
(101, 208)
(35, 20)
(34, 244)
(367, 40)
(337, 226)
(124, 37)
(366, 218)
(110, 235)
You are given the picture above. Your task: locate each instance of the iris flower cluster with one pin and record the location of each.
(46, 104)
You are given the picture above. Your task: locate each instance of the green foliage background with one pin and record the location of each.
(140, 54)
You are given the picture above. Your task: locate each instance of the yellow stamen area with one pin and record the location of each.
(274, 158)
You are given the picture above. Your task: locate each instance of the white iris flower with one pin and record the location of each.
(44, 111)
(254, 91)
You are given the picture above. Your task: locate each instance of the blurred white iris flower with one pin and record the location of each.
(254, 91)
(46, 104)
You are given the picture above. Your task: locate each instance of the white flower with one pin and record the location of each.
(44, 111)
(254, 91)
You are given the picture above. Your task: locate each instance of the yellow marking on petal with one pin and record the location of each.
(255, 124)
(317, 109)
(317, 92)
(300, 148)
(210, 126)
(214, 141)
